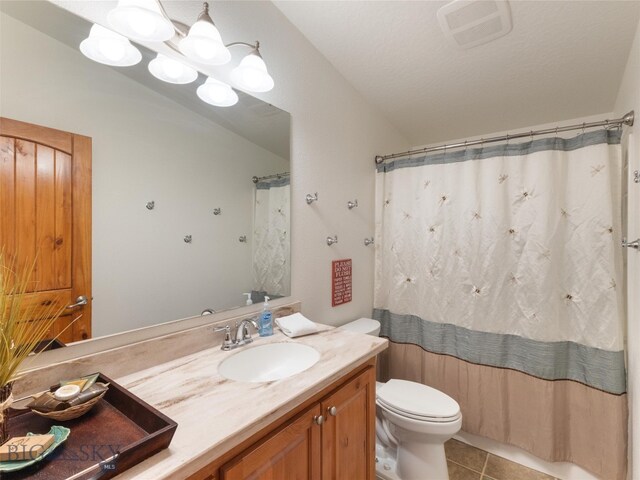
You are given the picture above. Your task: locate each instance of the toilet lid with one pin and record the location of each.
(417, 400)
(368, 326)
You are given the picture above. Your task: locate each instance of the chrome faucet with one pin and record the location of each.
(242, 334)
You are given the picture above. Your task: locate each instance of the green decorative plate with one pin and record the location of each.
(60, 434)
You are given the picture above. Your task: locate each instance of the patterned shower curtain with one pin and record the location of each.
(271, 245)
(499, 282)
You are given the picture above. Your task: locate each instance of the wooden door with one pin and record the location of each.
(348, 433)
(293, 453)
(45, 215)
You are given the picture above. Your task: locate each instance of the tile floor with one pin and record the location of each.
(469, 463)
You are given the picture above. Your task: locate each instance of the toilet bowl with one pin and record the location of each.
(413, 422)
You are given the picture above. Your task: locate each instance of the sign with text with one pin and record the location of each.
(340, 282)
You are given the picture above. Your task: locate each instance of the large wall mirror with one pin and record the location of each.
(190, 202)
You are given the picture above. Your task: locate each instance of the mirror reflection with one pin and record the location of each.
(189, 202)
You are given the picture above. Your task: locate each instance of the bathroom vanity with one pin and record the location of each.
(319, 423)
(330, 436)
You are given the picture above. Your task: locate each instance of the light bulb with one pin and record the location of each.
(141, 20)
(214, 92)
(204, 44)
(143, 25)
(252, 75)
(110, 48)
(173, 71)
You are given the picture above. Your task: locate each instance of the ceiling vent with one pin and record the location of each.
(469, 23)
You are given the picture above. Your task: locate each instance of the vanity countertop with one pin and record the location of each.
(215, 414)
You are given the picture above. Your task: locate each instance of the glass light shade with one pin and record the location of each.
(110, 48)
(251, 75)
(171, 71)
(214, 92)
(204, 44)
(141, 20)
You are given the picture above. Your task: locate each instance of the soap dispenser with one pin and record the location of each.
(266, 322)
(249, 301)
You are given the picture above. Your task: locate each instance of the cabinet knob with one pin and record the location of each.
(333, 411)
(318, 419)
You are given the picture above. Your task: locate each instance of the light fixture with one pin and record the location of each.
(147, 20)
(251, 74)
(141, 20)
(203, 43)
(172, 71)
(110, 48)
(215, 92)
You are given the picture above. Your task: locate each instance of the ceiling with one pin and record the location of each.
(562, 60)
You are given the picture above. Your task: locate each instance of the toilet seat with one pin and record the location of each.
(416, 401)
(421, 418)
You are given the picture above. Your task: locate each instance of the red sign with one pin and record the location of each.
(340, 282)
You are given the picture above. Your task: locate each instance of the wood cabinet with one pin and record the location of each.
(292, 453)
(329, 437)
(348, 432)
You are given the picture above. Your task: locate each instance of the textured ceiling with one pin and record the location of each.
(562, 60)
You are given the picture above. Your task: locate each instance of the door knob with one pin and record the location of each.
(318, 419)
(333, 411)
(80, 301)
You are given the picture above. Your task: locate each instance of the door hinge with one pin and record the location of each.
(636, 176)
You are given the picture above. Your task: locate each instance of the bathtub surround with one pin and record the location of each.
(271, 233)
(502, 288)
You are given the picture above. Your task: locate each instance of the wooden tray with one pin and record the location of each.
(120, 423)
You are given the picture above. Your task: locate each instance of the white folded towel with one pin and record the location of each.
(296, 325)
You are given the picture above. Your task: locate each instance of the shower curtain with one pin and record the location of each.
(499, 281)
(271, 245)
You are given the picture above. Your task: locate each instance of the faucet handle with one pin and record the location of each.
(227, 344)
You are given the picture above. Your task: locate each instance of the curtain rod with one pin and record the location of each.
(625, 120)
(277, 175)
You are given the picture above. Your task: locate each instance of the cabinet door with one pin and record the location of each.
(293, 453)
(348, 434)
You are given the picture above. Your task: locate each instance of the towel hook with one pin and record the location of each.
(332, 240)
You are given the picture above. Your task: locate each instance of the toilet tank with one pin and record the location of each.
(368, 326)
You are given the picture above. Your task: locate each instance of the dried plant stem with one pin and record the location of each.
(22, 326)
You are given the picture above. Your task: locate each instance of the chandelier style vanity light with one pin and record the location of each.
(147, 21)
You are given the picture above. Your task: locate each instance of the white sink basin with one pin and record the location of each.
(266, 363)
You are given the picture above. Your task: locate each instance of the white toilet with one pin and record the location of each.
(413, 422)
